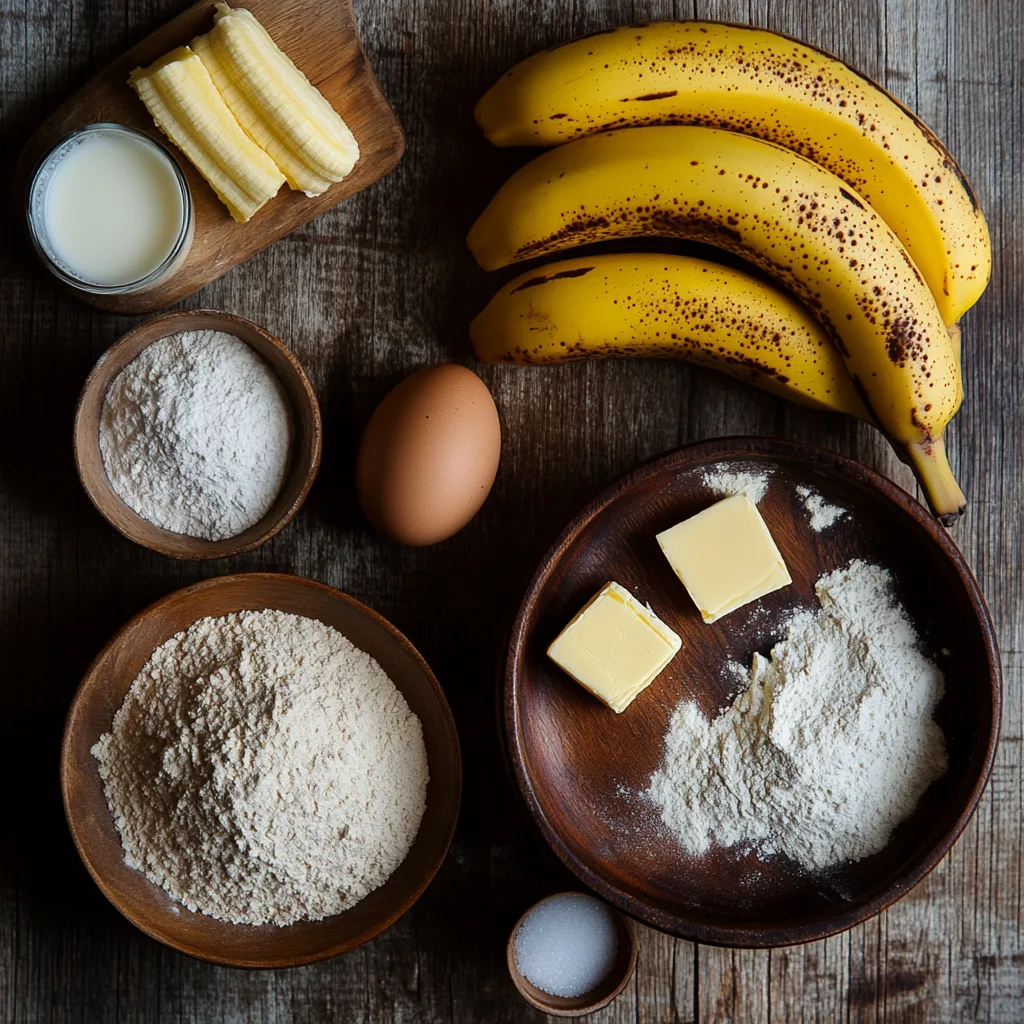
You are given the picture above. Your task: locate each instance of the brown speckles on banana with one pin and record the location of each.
(787, 215)
(742, 79)
(672, 307)
(651, 96)
(535, 282)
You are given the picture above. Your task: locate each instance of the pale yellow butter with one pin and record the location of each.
(615, 646)
(725, 557)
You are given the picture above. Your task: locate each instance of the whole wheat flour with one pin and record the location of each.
(262, 769)
(830, 746)
(196, 434)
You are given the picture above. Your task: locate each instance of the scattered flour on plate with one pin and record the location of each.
(822, 514)
(263, 770)
(735, 673)
(830, 746)
(726, 481)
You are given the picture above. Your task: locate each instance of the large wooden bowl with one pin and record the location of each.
(307, 438)
(146, 905)
(581, 768)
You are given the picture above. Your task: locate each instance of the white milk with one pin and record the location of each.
(113, 208)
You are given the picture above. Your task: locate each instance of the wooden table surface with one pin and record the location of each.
(368, 292)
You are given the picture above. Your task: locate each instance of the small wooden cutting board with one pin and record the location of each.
(322, 38)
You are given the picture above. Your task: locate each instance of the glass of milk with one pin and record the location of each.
(109, 210)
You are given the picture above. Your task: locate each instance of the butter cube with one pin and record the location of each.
(725, 557)
(614, 647)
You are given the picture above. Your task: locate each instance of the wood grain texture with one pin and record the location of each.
(323, 40)
(382, 284)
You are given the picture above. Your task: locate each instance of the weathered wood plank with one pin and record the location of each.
(363, 294)
(666, 979)
(810, 983)
(732, 985)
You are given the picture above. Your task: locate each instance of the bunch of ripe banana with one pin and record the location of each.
(768, 148)
(245, 116)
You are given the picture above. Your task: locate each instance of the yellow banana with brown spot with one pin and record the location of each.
(789, 216)
(667, 307)
(775, 88)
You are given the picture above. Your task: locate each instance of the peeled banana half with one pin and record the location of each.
(185, 104)
(245, 116)
(775, 88)
(670, 307)
(794, 219)
(275, 103)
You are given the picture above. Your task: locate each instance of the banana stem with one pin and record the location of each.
(928, 459)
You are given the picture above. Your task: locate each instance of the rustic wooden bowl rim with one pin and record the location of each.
(625, 926)
(211, 955)
(754, 935)
(165, 542)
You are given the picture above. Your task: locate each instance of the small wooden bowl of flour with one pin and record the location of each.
(267, 945)
(197, 528)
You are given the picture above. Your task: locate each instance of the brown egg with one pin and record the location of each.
(429, 455)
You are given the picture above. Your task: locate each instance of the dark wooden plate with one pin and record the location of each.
(146, 905)
(307, 438)
(322, 38)
(579, 765)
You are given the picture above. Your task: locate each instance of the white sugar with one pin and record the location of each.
(822, 514)
(567, 945)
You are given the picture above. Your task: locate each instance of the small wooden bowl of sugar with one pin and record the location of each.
(571, 954)
(164, 439)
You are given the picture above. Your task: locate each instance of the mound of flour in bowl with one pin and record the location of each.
(262, 769)
(196, 435)
(830, 746)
